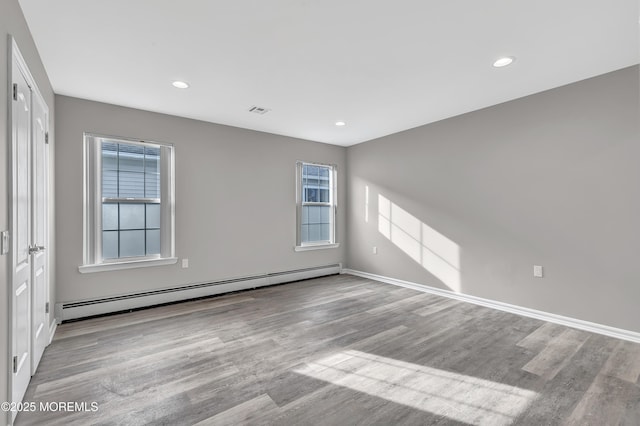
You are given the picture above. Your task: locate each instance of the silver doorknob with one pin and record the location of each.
(35, 249)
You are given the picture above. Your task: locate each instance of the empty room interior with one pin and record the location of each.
(320, 212)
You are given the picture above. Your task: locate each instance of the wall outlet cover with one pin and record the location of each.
(537, 271)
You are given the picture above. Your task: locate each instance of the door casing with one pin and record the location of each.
(17, 69)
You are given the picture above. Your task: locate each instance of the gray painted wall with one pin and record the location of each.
(12, 22)
(551, 179)
(235, 199)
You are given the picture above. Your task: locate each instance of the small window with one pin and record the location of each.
(316, 205)
(129, 205)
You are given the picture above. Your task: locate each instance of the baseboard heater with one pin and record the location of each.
(88, 308)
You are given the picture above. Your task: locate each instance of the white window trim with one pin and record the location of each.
(92, 205)
(321, 246)
(333, 243)
(129, 264)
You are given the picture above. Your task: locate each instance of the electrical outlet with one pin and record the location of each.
(185, 263)
(375, 250)
(537, 271)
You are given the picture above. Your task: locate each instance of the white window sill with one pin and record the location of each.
(316, 247)
(115, 266)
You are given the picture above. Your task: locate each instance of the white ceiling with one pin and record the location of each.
(380, 65)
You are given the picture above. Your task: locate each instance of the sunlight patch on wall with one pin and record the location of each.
(456, 396)
(436, 253)
(366, 204)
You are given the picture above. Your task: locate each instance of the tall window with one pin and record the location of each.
(128, 202)
(316, 201)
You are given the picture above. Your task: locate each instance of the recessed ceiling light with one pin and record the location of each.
(180, 84)
(340, 123)
(503, 62)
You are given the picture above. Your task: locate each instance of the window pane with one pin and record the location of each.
(325, 232)
(314, 214)
(151, 160)
(323, 184)
(131, 158)
(305, 180)
(316, 224)
(323, 179)
(131, 184)
(312, 195)
(153, 241)
(153, 216)
(110, 244)
(325, 214)
(132, 216)
(110, 217)
(314, 232)
(310, 183)
(132, 243)
(152, 185)
(109, 156)
(312, 171)
(152, 172)
(110, 183)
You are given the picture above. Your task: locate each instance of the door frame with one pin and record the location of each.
(15, 56)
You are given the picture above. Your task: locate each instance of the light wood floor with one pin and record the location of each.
(337, 350)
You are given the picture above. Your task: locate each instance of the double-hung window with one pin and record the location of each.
(129, 203)
(316, 206)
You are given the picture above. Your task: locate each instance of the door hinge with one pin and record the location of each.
(15, 91)
(15, 363)
(46, 137)
(46, 308)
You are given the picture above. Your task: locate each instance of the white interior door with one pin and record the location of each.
(20, 232)
(39, 215)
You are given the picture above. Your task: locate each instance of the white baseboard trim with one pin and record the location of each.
(52, 330)
(88, 308)
(592, 327)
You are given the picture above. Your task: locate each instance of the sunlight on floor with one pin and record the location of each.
(456, 396)
(435, 252)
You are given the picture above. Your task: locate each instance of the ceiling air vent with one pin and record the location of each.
(259, 110)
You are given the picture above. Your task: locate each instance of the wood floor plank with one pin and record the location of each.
(556, 354)
(624, 363)
(420, 298)
(604, 402)
(247, 413)
(537, 340)
(339, 350)
(438, 305)
(78, 385)
(558, 397)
